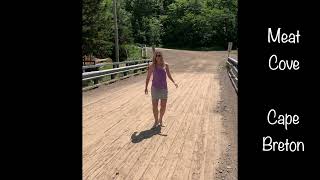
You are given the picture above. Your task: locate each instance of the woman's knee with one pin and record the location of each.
(163, 107)
(163, 103)
(155, 106)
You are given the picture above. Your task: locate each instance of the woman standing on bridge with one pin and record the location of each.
(159, 91)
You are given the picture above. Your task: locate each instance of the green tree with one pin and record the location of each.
(179, 23)
(200, 23)
(97, 34)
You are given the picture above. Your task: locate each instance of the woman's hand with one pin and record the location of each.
(146, 91)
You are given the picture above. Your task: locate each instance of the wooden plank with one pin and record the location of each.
(194, 141)
(173, 156)
(138, 167)
(184, 163)
(182, 167)
(106, 139)
(105, 151)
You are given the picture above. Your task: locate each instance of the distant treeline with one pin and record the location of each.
(169, 23)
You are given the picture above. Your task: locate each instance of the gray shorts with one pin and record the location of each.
(159, 93)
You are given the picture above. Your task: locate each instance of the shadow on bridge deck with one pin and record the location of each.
(138, 137)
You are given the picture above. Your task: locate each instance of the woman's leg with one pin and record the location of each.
(155, 110)
(162, 109)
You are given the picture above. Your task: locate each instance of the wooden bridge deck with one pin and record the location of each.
(118, 142)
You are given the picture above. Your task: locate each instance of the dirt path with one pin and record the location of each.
(199, 140)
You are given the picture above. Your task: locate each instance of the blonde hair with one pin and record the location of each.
(154, 62)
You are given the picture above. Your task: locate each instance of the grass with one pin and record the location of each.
(106, 67)
(234, 54)
(87, 83)
(134, 52)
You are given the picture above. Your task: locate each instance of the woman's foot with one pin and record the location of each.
(154, 125)
(160, 123)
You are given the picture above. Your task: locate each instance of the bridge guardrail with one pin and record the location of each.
(232, 66)
(95, 75)
(115, 63)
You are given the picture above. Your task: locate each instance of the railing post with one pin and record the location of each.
(135, 71)
(113, 76)
(125, 73)
(95, 81)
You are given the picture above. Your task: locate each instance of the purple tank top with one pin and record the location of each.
(159, 80)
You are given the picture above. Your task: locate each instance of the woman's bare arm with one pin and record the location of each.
(150, 70)
(169, 75)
